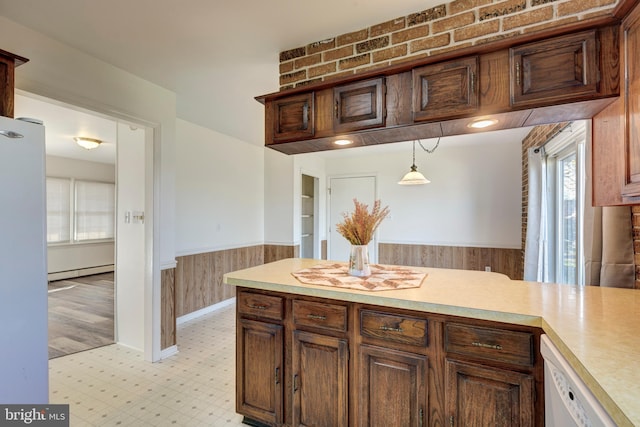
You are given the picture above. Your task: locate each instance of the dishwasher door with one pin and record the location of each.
(568, 401)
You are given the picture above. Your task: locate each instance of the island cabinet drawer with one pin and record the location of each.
(393, 327)
(499, 345)
(255, 304)
(320, 315)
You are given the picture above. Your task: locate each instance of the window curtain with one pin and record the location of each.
(608, 240)
(535, 261)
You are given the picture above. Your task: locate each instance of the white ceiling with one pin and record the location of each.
(216, 56)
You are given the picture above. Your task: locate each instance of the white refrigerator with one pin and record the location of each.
(23, 264)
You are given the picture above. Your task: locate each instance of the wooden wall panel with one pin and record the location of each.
(168, 310)
(198, 282)
(277, 252)
(505, 261)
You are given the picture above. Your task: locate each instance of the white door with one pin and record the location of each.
(342, 191)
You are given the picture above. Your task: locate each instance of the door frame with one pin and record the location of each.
(373, 257)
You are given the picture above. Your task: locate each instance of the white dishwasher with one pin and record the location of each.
(568, 401)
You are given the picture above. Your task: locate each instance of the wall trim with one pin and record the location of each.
(168, 352)
(210, 309)
(197, 251)
(456, 244)
(167, 265)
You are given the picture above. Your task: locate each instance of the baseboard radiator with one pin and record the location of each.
(61, 275)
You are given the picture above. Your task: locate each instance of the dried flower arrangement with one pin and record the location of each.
(359, 227)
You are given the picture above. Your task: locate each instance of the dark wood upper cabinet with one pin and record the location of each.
(554, 70)
(359, 105)
(293, 117)
(445, 90)
(8, 63)
(631, 97)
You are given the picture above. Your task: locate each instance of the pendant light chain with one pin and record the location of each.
(426, 149)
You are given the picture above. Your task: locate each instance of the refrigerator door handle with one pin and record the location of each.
(11, 134)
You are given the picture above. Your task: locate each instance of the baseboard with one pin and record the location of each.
(210, 309)
(61, 275)
(168, 352)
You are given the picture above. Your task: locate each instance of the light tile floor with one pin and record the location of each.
(115, 386)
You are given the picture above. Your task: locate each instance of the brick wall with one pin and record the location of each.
(443, 28)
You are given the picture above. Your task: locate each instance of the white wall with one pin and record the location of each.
(219, 191)
(474, 198)
(62, 73)
(279, 179)
(78, 256)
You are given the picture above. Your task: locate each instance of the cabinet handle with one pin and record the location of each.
(421, 415)
(316, 317)
(389, 328)
(258, 307)
(337, 107)
(473, 83)
(277, 375)
(305, 117)
(483, 345)
(451, 420)
(517, 73)
(295, 383)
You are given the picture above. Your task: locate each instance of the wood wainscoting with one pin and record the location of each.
(277, 252)
(168, 310)
(505, 261)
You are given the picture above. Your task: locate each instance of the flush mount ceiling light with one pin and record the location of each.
(87, 143)
(343, 142)
(413, 177)
(482, 123)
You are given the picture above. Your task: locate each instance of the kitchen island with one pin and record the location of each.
(594, 328)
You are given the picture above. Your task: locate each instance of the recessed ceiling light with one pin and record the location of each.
(483, 123)
(343, 142)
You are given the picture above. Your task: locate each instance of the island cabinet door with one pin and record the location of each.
(478, 395)
(259, 362)
(320, 380)
(393, 386)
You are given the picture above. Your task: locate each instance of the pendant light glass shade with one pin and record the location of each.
(87, 143)
(413, 177)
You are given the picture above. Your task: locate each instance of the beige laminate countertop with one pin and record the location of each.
(596, 329)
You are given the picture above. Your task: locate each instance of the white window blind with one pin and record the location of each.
(58, 210)
(94, 210)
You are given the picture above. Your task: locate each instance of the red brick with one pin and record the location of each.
(321, 46)
(322, 70)
(536, 16)
(430, 43)
(341, 52)
(456, 21)
(496, 10)
(410, 34)
(354, 61)
(354, 37)
(308, 60)
(293, 77)
(459, 6)
(387, 27)
(477, 30)
(390, 53)
(573, 7)
(286, 67)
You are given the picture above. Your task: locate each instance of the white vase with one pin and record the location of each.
(359, 261)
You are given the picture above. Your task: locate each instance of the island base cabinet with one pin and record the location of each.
(320, 380)
(259, 364)
(393, 391)
(481, 396)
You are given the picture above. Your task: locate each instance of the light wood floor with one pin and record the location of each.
(80, 314)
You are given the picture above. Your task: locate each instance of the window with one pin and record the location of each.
(84, 210)
(58, 210)
(565, 177)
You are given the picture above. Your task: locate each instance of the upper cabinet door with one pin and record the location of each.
(631, 87)
(293, 117)
(359, 105)
(559, 69)
(445, 90)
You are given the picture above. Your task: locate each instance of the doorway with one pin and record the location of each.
(101, 250)
(309, 228)
(342, 191)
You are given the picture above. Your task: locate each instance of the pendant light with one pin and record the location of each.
(413, 177)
